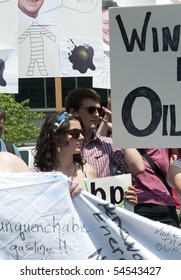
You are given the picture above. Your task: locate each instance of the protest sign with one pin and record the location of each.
(111, 188)
(57, 46)
(146, 76)
(103, 81)
(8, 47)
(40, 221)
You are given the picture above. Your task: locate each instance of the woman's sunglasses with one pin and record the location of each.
(93, 109)
(75, 132)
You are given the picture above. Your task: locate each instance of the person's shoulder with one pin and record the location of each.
(104, 138)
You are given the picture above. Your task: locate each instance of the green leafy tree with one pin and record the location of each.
(20, 121)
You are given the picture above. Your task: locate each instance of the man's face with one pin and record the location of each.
(90, 120)
(2, 123)
(30, 7)
(105, 27)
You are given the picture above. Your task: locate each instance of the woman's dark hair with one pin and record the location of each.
(48, 141)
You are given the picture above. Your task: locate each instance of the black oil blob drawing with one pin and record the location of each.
(81, 58)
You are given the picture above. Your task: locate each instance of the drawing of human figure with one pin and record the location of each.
(36, 32)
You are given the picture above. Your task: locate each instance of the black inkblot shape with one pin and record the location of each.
(2, 67)
(81, 58)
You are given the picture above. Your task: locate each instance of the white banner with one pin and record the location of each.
(40, 221)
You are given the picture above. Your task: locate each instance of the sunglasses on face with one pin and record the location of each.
(75, 132)
(93, 109)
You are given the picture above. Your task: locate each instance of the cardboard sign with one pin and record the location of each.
(111, 189)
(146, 76)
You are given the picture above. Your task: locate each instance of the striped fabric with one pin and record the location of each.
(100, 154)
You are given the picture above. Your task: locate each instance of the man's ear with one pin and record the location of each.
(73, 112)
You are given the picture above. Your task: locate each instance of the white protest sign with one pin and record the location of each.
(8, 47)
(146, 76)
(111, 189)
(103, 81)
(40, 40)
(40, 221)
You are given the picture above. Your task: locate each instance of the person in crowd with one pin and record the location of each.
(155, 200)
(106, 4)
(97, 150)
(59, 145)
(6, 146)
(30, 8)
(174, 178)
(59, 148)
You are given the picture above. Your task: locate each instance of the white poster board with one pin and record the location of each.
(111, 189)
(8, 47)
(103, 81)
(62, 29)
(146, 76)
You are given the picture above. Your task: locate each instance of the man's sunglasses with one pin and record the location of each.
(75, 132)
(93, 109)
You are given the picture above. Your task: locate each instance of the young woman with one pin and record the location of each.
(59, 147)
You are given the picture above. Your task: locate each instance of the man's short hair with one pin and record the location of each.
(106, 4)
(75, 97)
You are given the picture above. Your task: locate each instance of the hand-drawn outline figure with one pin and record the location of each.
(2, 67)
(36, 33)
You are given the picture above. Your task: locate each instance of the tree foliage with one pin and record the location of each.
(20, 121)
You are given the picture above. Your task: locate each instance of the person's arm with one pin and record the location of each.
(174, 177)
(134, 161)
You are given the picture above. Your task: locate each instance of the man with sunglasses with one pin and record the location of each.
(98, 150)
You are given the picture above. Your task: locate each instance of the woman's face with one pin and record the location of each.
(74, 137)
(30, 7)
